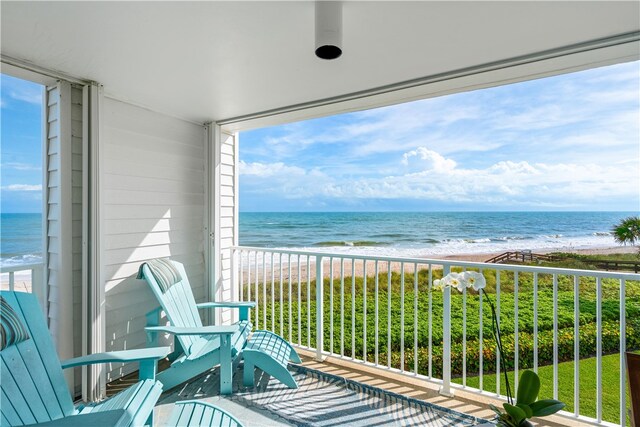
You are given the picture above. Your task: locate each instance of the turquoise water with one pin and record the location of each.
(382, 233)
(20, 238)
(429, 233)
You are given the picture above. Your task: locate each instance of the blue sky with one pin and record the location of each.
(569, 142)
(21, 149)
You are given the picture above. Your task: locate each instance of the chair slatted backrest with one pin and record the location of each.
(33, 386)
(178, 303)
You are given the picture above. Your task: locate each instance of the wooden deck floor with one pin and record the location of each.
(466, 402)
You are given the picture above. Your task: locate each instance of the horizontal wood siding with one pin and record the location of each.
(154, 200)
(52, 194)
(227, 234)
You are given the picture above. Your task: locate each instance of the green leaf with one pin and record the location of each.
(528, 387)
(527, 410)
(542, 408)
(516, 413)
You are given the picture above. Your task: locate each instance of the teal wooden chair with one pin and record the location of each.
(198, 347)
(34, 390)
(193, 413)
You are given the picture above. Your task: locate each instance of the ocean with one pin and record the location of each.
(20, 238)
(379, 233)
(415, 234)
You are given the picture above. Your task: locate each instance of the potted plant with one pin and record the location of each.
(516, 413)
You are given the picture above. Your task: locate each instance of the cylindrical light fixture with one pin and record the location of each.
(328, 29)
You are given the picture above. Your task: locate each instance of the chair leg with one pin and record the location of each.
(248, 375)
(226, 374)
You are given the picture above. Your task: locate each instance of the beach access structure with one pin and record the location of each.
(141, 143)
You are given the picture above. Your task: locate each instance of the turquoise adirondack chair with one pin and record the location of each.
(194, 413)
(198, 347)
(34, 390)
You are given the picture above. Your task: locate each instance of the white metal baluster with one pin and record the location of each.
(353, 308)
(273, 295)
(576, 345)
(289, 300)
(623, 348)
(342, 306)
(555, 336)
(377, 359)
(389, 314)
(415, 318)
(445, 389)
(480, 337)
(249, 280)
(241, 274)
(430, 320)
(281, 299)
(535, 322)
(331, 305)
(11, 281)
(299, 302)
(257, 293)
(598, 350)
(464, 336)
(515, 330)
(309, 301)
(264, 289)
(498, 320)
(319, 308)
(364, 311)
(402, 316)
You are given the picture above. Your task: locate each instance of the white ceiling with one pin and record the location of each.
(216, 60)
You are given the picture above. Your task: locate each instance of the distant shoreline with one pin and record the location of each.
(22, 279)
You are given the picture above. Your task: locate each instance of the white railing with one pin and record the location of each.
(392, 321)
(33, 283)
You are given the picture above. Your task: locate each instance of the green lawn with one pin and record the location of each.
(610, 386)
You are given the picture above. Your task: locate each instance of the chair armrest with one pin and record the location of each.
(154, 353)
(243, 307)
(204, 330)
(239, 304)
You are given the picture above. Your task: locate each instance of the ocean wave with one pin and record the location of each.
(357, 243)
(448, 247)
(602, 233)
(20, 260)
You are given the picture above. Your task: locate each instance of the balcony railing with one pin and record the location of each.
(34, 284)
(383, 312)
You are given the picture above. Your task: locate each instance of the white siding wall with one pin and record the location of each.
(227, 214)
(153, 179)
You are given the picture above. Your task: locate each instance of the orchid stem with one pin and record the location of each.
(498, 337)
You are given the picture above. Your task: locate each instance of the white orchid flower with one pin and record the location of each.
(474, 280)
(438, 284)
(454, 280)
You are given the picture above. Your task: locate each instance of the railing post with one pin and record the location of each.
(319, 308)
(445, 389)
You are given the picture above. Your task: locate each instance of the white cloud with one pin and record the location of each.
(432, 160)
(22, 187)
(21, 166)
(439, 178)
(265, 170)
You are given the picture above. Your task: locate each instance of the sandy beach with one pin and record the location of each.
(21, 280)
(359, 266)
